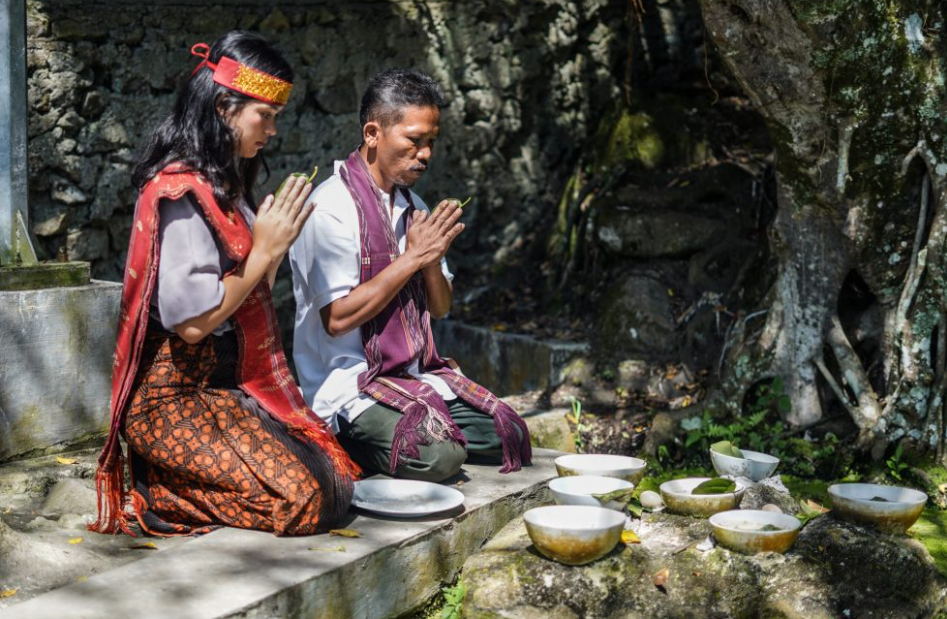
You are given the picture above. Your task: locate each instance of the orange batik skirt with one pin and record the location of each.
(205, 455)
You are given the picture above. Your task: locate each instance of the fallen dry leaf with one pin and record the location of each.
(82, 579)
(817, 507)
(8, 593)
(8, 510)
(660, 579)
(144, 546)
(629, 537)
(62, 460)
(76, 540)
(329, 548)
(344, 532)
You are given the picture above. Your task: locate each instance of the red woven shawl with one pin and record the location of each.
(262, 370)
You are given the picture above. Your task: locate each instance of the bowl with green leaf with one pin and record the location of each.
(701, 496)
(728, 459)
(755, 530)
(593, 490)
(893, 509)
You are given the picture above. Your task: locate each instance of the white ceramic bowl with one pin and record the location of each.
(900, 510)
(605, 465)
(574, 534)
(578, 490)
(739, 530)
(755, 465)
(678, 498)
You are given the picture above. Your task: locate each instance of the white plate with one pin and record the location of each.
(404, 498)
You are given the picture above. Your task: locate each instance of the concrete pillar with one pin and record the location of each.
(13, 123)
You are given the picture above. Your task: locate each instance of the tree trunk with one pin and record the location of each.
(853, 94)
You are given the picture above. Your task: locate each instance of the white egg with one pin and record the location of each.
(650, 499)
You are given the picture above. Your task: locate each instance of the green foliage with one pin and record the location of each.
(757, 432)
(895, 465)
(577, 418)
(931, 530)
(454, 601)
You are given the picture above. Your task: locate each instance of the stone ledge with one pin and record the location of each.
(393, 568)
(45, 275)
(55, 367)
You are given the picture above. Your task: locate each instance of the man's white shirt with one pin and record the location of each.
(325, 262)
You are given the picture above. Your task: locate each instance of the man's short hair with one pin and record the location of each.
(391, 91)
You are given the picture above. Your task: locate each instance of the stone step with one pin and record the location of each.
(394, 567)
(506, 363)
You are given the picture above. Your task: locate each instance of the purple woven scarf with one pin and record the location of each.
(401, 334)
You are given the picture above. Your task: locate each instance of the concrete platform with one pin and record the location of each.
(393, 568)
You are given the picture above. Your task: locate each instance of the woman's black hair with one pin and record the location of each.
(195, 134)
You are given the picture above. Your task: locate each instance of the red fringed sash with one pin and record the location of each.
(263, 373)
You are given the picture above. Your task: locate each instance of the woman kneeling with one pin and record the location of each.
(217, 431)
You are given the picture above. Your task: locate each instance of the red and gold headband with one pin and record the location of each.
(236, 76)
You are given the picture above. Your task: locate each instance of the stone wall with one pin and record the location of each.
(526, 82)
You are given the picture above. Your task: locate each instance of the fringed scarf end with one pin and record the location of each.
(514, 437)
(112, 498)
(421, 425)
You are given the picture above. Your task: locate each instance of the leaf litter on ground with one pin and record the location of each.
(660, 579)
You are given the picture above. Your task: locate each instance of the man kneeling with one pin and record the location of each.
(368, 274)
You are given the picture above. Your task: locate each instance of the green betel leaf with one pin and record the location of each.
(622, 495)
(457, 200)
(634, 508)
(726, 448)
(315, 171)
(771, 527)
(717, 485)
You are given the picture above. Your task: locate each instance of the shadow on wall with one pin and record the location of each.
(524, 81)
